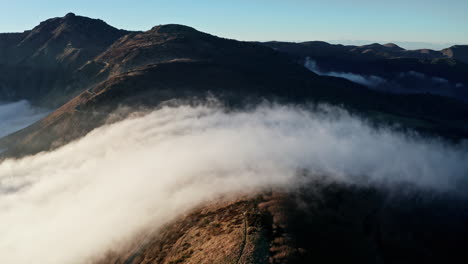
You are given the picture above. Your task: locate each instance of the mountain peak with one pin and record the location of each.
(173, 28)
(72, 39)
(393, 46)
(69, 15)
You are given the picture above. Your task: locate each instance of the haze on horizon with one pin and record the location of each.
(432, 24)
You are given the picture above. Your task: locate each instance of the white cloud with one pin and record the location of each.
(366, 80)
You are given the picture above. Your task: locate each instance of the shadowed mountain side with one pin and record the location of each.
(331, 224)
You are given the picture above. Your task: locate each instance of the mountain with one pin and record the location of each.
(67, 41)
(93, 74)
(40, 63)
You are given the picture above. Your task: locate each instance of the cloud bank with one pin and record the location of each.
(17, 115)
(74, 203)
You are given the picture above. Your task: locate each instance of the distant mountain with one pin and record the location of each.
(370, 51)
(409, 45)
(388, 67)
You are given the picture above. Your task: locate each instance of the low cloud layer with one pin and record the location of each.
(17, 115)
(74, 203)
(367, 80)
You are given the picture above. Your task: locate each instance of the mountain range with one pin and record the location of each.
(91, 73)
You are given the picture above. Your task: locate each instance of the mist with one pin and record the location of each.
(366, 80)
(75, 203)
(17, 115)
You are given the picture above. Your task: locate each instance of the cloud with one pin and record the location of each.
(17, 115)
(71, 204)
(367, 80)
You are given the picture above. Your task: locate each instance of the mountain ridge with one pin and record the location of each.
(145, 68)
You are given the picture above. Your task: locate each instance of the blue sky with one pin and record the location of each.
(435, 21)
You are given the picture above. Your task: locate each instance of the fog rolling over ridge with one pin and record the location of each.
(74, 203)
(17, 115)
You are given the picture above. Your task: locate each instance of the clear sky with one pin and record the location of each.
(435, 21)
